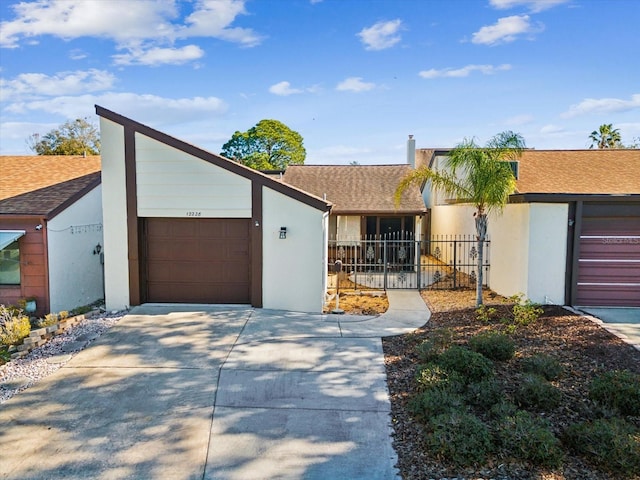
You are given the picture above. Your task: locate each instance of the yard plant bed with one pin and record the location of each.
(514, 425)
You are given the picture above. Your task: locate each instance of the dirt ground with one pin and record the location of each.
(366, 303)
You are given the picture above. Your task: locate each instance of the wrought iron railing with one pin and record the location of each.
(400, 261)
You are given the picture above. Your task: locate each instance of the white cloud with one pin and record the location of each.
(505, 30)
(551, 129)
(283, 89)
(159, 56)
(145, 108)
(602, 105)
(533, 5)
(29, 85)
(355, 84)
(141, 25)
(464, 71)
(381, 35)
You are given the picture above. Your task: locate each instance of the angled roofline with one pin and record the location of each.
(218, 160)
(77, 196)
(572, 197)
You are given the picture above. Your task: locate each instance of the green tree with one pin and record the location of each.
(481, 176)
(74, 137)
(606, 137)
(269, 145)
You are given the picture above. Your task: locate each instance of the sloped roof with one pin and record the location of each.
(603, 172)
(357, 189)
(43, 185)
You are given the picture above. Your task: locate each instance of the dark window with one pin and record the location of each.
(10, 265)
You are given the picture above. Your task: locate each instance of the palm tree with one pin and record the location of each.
(478, 175)
(606, 137)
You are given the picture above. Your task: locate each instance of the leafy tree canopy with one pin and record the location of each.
(269, 145)
(606, 137)
(74, 137)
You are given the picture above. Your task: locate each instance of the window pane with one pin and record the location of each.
(10, 265)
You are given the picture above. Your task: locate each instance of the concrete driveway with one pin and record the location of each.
(214, 392)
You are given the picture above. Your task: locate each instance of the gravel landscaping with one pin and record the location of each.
(582, 349)
(21, 373)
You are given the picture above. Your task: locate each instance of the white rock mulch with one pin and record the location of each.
(21, 373)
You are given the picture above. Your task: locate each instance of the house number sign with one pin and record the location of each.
(194, 214)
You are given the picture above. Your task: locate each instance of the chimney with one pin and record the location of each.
(411, 151)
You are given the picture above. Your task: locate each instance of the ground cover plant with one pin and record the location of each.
(535, 393)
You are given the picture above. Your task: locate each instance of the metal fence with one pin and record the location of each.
(400, 261)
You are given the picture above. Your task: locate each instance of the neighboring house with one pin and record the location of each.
(571, 232)
(363, 199)
(50, 231)
(184, 225)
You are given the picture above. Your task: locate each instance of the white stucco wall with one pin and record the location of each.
(294, 269)
(172, 183)
(528, 246)
(75, 273)
(114, 215)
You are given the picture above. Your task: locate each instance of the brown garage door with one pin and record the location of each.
(196, 260)
(609, 262)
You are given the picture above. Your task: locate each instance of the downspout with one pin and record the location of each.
(45, 243)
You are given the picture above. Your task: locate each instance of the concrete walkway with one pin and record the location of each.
(215, 392)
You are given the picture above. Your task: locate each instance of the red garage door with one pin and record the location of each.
(196, 260)
(609, 262)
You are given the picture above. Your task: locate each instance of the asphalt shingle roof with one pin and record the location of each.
(357, 189)
(40, 185)
(606, 172)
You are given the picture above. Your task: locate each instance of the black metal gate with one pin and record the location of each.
(399, 261)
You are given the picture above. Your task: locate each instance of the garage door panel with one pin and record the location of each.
(197, 260)
(607, 295)
(609, 261)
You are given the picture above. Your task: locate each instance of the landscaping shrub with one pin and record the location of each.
(525, 313)
(471, 365)
(503, 409)
(485, 393)
(542, 365)
(609, 443)
(537, 393)
(493, 345)
(486, 314)
(433, 375)
(13, 328)
(430, 349)
(527, 437)
(459, 437)
(434, 401)
(49, 319)
(619, 390)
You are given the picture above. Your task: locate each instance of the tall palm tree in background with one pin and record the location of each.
(481, 176)
(606, 137)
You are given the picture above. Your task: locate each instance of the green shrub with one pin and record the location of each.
(527, 312)
(433, 375)
(527, 437)
(503, 409)
(493, 345)
(619, 389)
(537, 393)
(459, 437)
(471, 365)
(434, 401)
(49, 319)
(612, 444)
(486, 314)
(63, 314)
(438, 342)
(14, 330)
(485, 393)
(543, 365)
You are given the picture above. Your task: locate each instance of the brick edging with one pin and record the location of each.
(42, 335)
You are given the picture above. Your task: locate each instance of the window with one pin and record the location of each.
(10, 264)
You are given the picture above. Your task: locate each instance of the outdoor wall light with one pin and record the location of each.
(283, 233)
(97, 250)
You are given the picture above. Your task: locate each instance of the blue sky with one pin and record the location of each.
(353, 77)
